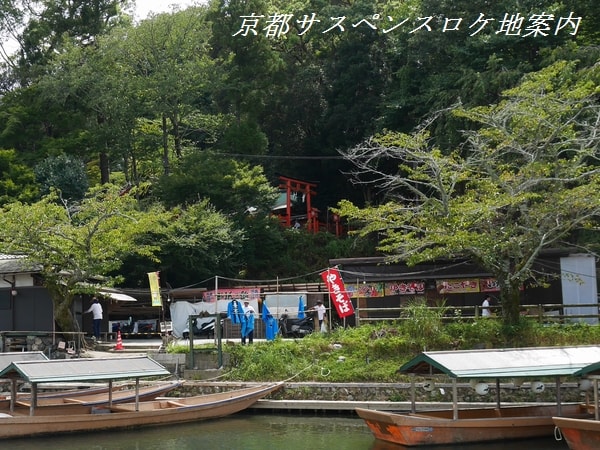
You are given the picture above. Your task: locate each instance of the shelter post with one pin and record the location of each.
(413, 394)
(498, 403)
(454, 399)
(33, 404)
(137, 393)
(596, 413)
(13, 394)
(558, 397)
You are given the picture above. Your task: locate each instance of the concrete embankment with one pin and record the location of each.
(344, 397)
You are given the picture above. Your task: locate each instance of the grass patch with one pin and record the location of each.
(373, 353)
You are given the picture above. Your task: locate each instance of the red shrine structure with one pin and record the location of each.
(295, 207)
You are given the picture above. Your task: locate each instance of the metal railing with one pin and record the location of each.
(544, 313)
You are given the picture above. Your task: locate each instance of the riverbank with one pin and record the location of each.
(326, 395)
(389, 396)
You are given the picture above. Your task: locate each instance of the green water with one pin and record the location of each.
(249, 432)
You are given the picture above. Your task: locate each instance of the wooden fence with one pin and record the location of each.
(544, 313)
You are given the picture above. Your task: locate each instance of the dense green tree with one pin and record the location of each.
(17, 181)
(197, 243)
(52, 23)
(94, 84)
(73, 244)
(49, 110)
(473, 63)
(231, 186)
(525, 181)
(64, 174)
(152, 104)
(169, 58)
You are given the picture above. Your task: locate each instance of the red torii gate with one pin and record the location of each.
(312, 214)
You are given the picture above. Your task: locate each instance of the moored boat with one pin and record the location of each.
(580, 434)
(131, 415)
(498, 422)
(472, 425)
(40, 372)
(583, 434)
(97, 396)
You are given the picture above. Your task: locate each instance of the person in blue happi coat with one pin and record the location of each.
(248, 323)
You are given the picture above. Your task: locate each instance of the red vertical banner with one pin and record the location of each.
(337, 292)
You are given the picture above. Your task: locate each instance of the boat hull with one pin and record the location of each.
(472, 425)
(580, 434)
(130, 415)
(95, 396)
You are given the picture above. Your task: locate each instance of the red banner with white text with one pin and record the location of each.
(337, 292)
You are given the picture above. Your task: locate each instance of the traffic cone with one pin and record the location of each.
(119, 345)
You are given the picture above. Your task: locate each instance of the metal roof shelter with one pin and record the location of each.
(504, 363)
(593, 373)
(84, 369)
(8, 357)
(494, 364)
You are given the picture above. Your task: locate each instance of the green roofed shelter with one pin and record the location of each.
(496, 364)
(81, 369)
(592, 372)
(504, 363)
(8, 357)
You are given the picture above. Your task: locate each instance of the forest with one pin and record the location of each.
(131, 147)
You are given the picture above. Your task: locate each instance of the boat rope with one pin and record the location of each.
(323, 373)
(557, 434)
(218, 376)
(298, 373)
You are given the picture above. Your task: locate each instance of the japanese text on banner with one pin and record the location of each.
(154, 288)
(337, 292)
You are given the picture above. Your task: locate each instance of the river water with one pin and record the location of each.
(251, 432)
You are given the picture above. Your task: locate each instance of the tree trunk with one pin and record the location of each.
(510, 299)
(104, 171)
(61, 306)
(176, 135)
(165, 138)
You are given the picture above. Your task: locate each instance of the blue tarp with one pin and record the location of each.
(270, 323)
(300, 308)
(235, 311)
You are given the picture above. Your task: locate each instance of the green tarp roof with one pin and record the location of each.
(84, 369)
(591, 370)
(505, 363)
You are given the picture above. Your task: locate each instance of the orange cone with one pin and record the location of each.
(119, 345)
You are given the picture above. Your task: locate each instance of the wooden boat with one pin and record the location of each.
(165, 411)
(580, 434)
(472, 425)
(96, 396)
(496, 423)
(40, 372)
(583, 434)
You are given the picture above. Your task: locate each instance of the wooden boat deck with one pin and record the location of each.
(79, 418)
(119, 394)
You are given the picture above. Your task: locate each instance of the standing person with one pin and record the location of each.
(248, 325)
(485, 307)
(96, 310)
(321, 310)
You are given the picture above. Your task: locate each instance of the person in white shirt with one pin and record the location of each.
(248, 329)
(321, 310)
(96, 310)
(485, 307)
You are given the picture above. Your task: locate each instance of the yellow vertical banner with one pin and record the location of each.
(154, 288)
